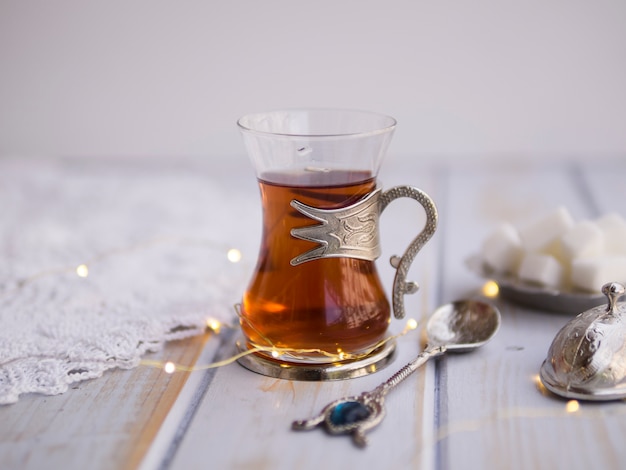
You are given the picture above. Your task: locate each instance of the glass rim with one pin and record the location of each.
(368, 131)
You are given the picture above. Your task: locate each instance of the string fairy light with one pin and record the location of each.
(572, 406)
(82, 270)
(490, 289)
(214, 325)
(169, 367)
(276, 352)
(234, 255)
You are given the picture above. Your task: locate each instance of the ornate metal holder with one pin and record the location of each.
(352, 232)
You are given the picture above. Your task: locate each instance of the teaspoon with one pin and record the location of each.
(460, 326)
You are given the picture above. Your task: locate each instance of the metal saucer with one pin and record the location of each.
(264, 365)
(533, 296)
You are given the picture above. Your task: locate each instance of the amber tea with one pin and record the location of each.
(333, 304)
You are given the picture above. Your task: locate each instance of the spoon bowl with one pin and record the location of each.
(462, 326)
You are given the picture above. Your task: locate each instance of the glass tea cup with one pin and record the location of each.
(315, 296)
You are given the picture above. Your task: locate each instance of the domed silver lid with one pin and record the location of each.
(587, 358)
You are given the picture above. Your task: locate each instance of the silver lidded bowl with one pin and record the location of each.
(587, 358)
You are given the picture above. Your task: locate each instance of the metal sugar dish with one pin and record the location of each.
(546, 299)
(587, 358)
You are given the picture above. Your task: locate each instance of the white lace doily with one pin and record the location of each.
(154, 241)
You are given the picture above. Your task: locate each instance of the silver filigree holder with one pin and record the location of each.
(351, 232)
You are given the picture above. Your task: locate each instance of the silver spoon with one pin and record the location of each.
(460, 326)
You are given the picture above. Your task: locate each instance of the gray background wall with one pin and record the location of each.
(474, 79)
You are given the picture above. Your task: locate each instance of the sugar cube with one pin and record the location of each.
(592, 273)
(540, 234)
(502, 249)
(613, 227)
(541, 269)
(584, 239)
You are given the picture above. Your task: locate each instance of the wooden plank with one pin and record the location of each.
(104, 423)
(493, 413)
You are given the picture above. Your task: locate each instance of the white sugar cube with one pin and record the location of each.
(541, 269)
(502, 249)
(540, 234)
(613, 227)
(592, 273)
(584, 239)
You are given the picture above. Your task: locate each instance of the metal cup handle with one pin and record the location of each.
(402, 264)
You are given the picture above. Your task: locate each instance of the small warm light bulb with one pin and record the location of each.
(275, 354)
(169, 367)
(82, 270)
(411, 324)
(214, 325)
(572, 406)
(540, 386)
(491, 289)
(234, 255)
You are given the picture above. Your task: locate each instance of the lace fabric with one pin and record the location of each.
(152, 244)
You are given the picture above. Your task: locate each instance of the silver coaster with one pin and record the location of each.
(373, 362)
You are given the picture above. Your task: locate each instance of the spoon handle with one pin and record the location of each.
(407, 370)
(357, 414)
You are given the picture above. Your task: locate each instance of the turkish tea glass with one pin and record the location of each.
(315, 295)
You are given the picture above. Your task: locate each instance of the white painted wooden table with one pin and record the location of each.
(475, 411)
